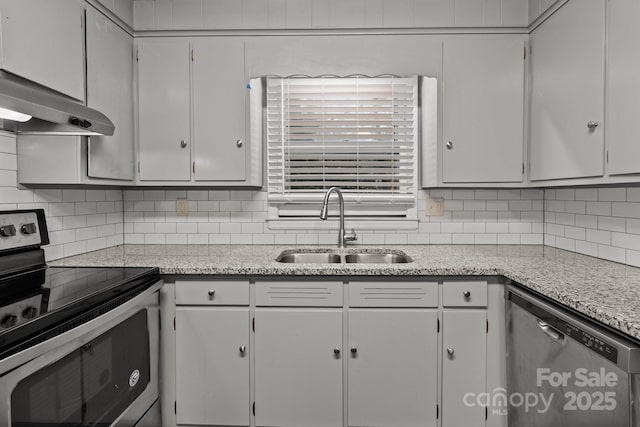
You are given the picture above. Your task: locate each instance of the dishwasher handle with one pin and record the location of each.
(550, 331)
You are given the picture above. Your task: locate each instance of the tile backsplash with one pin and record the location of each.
(239, 217)
(78, 220)
(601, 222)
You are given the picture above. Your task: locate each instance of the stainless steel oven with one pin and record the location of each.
(78, 346)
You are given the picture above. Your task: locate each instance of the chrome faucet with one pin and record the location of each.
(342, 235)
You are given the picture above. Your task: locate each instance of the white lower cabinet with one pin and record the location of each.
(464, 342)
(392, 369)
(212, 322)
(313, 353)
(298, 367)
(212, 364)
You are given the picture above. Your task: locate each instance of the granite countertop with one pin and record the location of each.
(603, 290)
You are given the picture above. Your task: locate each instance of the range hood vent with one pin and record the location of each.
(52, 113)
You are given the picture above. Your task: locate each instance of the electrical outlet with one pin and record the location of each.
(182, 207)
(435, 207)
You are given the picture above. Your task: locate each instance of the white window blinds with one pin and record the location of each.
(359, 134)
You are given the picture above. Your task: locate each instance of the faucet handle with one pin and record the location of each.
(350, 237)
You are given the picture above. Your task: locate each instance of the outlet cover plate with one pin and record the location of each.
(435, 207)
(182, 207)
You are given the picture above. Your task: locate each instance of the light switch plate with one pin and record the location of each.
(435, 207)
(182, 207)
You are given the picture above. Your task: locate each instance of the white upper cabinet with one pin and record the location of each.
(623, 87)
(110, 90)
(483, 110)
(567, 93)
(43, 41)
(219, 105)
(164, 110)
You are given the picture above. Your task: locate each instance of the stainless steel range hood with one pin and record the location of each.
(52, 113)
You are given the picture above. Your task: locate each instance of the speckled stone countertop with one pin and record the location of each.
(603, 290)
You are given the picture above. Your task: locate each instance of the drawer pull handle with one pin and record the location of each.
(212, 293)
(336, 351)
(467, 294)
(450, 351)
(243, 349)
(354, 350)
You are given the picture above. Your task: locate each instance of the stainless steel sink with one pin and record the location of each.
(309, 258)
(377, 258)
(349, 258)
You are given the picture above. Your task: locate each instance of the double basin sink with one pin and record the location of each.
(395, 257)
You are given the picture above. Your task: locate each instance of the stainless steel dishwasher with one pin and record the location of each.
(564, 370)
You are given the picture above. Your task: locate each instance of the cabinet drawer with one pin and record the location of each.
(464, 294)
(310, 294)
(223, 292)
(393, 294)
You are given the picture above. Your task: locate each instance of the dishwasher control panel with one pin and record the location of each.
(595, 344)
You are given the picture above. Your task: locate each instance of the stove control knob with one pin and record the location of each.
(7, 230)
(29, 313)
(8, 321)
(29, 228)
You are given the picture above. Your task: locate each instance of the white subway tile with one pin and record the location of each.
(475, 205)
(176, 239)
(241, 239)
(8, 161)
(508, 239)
(532, 239)
(208, 206)
(555, 229)
(197, 239)
(474, 227)
(208, 227)
(587, 194)
(47, 196)
(627, 241)
(626, 209)
(509, 194)
(612, 254)
(532, 193)
(134, 239)
(429, 227)
(612, 194)
(440, 238)
(633, 258)
(463, 215)
(144, 228)
(486, 239)
(166, 227)
(418, 239)
(565, 194)
(462, 239)
(75, 248)
(231, 228)
(612, 223)
(463, 194)
(155, 239)
(524, 227)
(576, 233)
(497, 227)
(587, 248)
(96, 219)
(452, 227)
(306, 239)
(186, 228)
(633, 194)
(599, 236)
(587, 221)
(487, 216)
(395, 239)
(240, 217)
(599, 208)
(565, 219)
(497, 205)
(566, 244)
(264, 239)
(576, 207)
(486, 194)
(454, 205)
(633, 226)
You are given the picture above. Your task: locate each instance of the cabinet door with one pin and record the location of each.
(219, 105)
(393, 365)
(464, 342)
(623, 103)
(164, 110)
(212, 370)
(110, 90)
(483, 105)
(298, 376)
(43, 41)
(567, 56)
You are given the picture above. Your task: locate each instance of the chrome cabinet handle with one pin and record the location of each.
(183, 144)
(449, 145)
(336, 351)
(450, 351)
(243, 349)
(592, 124)
(211, 293)
(466, 294)
(239, 143)
(354, 350)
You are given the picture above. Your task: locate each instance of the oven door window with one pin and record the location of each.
(92, 385)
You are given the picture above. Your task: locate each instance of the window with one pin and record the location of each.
(356, 133)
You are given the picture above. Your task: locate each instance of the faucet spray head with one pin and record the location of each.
(324, 211)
